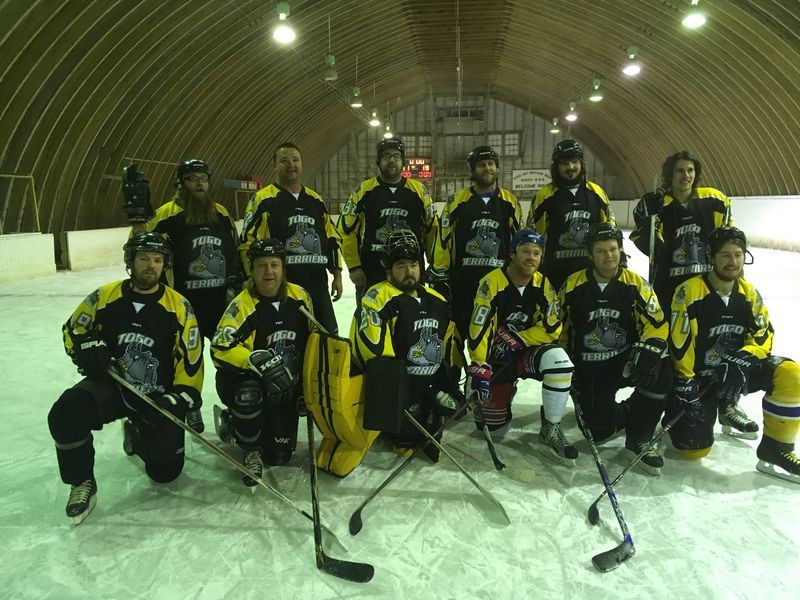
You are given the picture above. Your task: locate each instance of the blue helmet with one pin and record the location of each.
(526, 236)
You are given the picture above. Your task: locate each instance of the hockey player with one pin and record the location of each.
(512, 333)
(476, 226)
(721, 333)
(563, 210)
(686, 214)
(295, 214)
(148, 332)
(206, 267)
(378, 206)
(401, 318)
(616, 334)
(257, 349)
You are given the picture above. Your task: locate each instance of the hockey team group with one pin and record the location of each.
(452, 310)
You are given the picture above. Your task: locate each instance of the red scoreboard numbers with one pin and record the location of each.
(418, 168)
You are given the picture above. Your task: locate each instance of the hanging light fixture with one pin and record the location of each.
(330, 60)
(596, 94)
(283, 32)
(374, 120)
(554, 129)
(694, 18)
(355, 101)
(388, 133)
(632, 67)
(571, 115)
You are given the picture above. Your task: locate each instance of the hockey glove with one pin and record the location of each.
(732, 373)
(478, 384)
(233, 285)
(506, 343)
(687, 391)
(92, 355)
(276, 380)
(177, 403)
(439, 280)
(652, 203)
(644, 362)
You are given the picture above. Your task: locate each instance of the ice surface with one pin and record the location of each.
(711, 529)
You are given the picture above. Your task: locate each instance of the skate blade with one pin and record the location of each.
(742, 435)
(549, 453)
(776, 471)
(78, 519)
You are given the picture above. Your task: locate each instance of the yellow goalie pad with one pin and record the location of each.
(336, 401)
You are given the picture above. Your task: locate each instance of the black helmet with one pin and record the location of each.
(392, 143)
(525, 236)
(190, 166)
(482, 153)
(602, 231)
(266, 247)
(566, 149)
(147, 242)
(722, 235)
(400, 244)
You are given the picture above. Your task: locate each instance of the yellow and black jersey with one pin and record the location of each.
(254, 323)
(204, 256)
(304, 226)
(154, 338)
(562, 216)
(475, 231)
(531, 309)
(681, 232)
(603, 320)
(393, 324)
(703, 326)
(376, 208)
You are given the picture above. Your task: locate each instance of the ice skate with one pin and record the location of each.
(554, 445)
(651, 462)
(253, 463)
(778, 459)
(736, 423)
(194, 419)
(129, 436)
(82, 499)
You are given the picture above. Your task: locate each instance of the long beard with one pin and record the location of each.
(199, 210)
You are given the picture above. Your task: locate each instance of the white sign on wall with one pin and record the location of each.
(529, 179)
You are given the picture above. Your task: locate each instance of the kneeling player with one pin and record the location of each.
(512, 331)
(150, 333)
(257, 350)
(616, 334)
(721, 335)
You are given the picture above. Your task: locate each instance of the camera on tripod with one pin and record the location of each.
(136, 195)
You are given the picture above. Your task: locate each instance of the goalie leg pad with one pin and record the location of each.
(387, 394)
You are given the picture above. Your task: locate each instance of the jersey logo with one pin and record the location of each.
(575, 234)
(605, 337)
(209, 263)
(690, 252)
(392, 222)
(485, 244)
(426, 354)
(304, 240)
(140, 367)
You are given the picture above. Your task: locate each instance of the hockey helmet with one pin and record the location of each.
(147, 242)
(400, 244)
(599, 232)
(526, 236)
(482, 153)
(392, 143)
(567, 149)
(266, 247)
(190, 166)
(722, 235)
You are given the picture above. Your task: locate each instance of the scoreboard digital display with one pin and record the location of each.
(418, 168)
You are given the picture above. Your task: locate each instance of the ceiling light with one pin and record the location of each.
(596, 94)
(374, 121)
(554, 129)
(571, 115)
(632, 67)
(694, 18)
(330, 68)
(356, 100)
(388, 133)
(283, 32)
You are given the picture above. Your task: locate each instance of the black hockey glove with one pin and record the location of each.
(177, 403)
(644, 362)
(687, 391)
(732, 374)
(652, 203)
(92, 355)
(233, 286)
(276, 380)
(439, 280)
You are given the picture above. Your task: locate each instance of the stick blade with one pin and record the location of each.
(356, 523)
(345, 569)
(593, 514)
(611, 559)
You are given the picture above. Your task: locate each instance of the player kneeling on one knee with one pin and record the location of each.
(512, 331)
(721, 339)
(257, 349)
(124, 325)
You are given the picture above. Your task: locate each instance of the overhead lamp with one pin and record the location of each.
(554, 129)
(374, 121)
(330, 60)
(632, 67)
(571, 115)
(388, 133)
(283, 32)
(356, 100)
(694, 18)
(596, 94)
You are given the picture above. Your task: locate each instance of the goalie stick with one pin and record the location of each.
(610, 559)
(217, 450)
(352, 571)
(593, 514)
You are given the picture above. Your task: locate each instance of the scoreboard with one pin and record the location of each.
(418, 168)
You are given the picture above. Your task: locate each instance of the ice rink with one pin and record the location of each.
(712, 529)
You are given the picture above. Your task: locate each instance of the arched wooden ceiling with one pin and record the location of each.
(87, 84)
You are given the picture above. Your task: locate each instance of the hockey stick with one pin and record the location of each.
(610, 559)
(344, 569)
(486, 494)
(216, 449)
(651, 271)
(356, 522)
(593, 514)
(498, 464)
